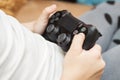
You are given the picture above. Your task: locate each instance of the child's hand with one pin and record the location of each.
(80, 64)
(40, 24)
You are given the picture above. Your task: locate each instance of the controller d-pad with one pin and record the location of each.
(57, 15)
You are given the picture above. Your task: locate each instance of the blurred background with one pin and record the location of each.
(87, 2)
(29, 10)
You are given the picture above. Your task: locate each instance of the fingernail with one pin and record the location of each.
(53, 6)
(82, 34)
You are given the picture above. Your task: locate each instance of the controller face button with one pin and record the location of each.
(83, 29)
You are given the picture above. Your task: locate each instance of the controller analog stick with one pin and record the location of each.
(52, 29)
(63, 39)
(52, 32)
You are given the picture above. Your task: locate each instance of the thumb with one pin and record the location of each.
(48, 11)
(43, 19)
(77, 43)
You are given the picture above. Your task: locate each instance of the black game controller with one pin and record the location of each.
(62, 26)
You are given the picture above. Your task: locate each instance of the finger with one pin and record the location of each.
(96, 51)
(96, 47)
(77, 43)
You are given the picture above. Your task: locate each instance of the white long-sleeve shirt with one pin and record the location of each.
(25, 55)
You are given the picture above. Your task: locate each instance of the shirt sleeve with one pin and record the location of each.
(25, 55)
(6, 37)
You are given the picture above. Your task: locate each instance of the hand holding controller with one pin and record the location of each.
(62, 27)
